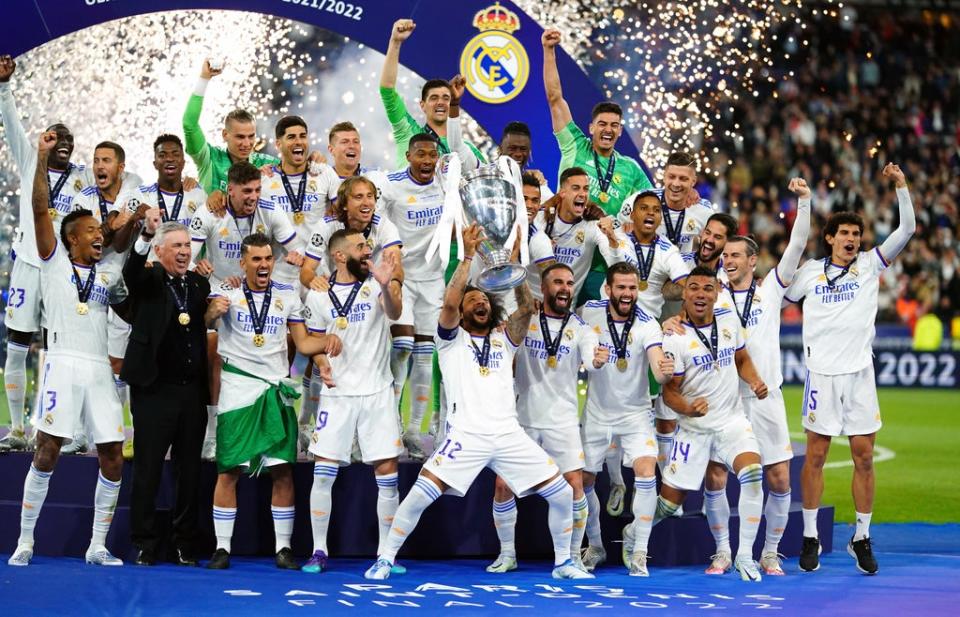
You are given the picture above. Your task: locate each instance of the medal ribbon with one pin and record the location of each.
(673, 233)
(441, 147)
(644, 264)
(604, 181)
(342, 309)
(177, 203)
(296, 201)
(483, 357)
(620, 341)
(552, 345)
(745, 315)
(55, 191)
(84, 289)
(181, 302)
(712, 344)
(103, 207)
(832, 282)
(259, 319)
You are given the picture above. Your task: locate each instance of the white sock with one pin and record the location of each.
(644, 507)
(559, 496)
(776, 512)
(308, 404)
(421, 381)
(34, 492)
(400, 362)
(282, 525)
(104, 503)
(593, 517)
(505, 520)
(810, 523)
(211, 425)
(15, 378)
(123, 392)
(749, 507)
(863, 526)
(388, 500)
(718, 517)
(324, 475)
(664, 449)
(615, 466)
(581, 513)
(421, 495)
(223, 519)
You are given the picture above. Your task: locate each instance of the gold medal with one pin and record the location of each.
(258, 340)
(342, 322)
(484, 371)
(642, 286)
(552, 361)
(82, 308)
(298, 218)
(53, 213)
(622, 364)
(604, 197)
(184, 319)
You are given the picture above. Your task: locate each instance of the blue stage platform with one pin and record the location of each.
(453, 527)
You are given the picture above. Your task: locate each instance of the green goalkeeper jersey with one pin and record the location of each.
(406, 126)
(212, 162)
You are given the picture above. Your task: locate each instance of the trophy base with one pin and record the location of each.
(501, 278)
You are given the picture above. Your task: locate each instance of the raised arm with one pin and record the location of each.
(401, 31)
(194, 141)
(454, 130)
(16, 137)
(519, 321)
(385, 274)
(897, 240)
(790, 260)
(135, 274)
(559, 110)
(42, 225)
(450, 312)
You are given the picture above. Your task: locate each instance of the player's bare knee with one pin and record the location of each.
(111, 460)
(385, 466)
(116, 365)
(666, 426)
(673, 495)
(644, 467)
(501, 490)
(440, 484)
(715, 478)
(588, 479)
(47, 453)
(778, 477)
(575, 480)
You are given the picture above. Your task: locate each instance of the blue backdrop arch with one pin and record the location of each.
(444, 29)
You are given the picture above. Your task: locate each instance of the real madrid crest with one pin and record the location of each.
(494, 62)
(726, 334)
(568, 334)
(496, 344)
(104, 278)
(579, 237)
(312, 186)
(277, 303)
(364, 292)
(191, 206)
(691, 225)
(78, 186)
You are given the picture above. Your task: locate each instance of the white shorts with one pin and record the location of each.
(562, 444)
(692, 451)
(636, 440)
(78, 393)
(422, 301)
(662, 412)
(847, 404)
(237, 392)
(513, 456)
(374, 419)
(769, 421)
(118, 334)
(23, 298)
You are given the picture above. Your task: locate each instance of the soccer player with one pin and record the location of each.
(413, 200)
(618, 407)
(239, 133)
(516, 142)
(554, 347)
(614, 176)
(223, 237)
(840, 395)
(477, 359)
(345, 148)
(438, 98)
(684, 213)
(176, 202)
(710, 359)
(76, 386)
(355, 311)
(575, 238)
(257, 426)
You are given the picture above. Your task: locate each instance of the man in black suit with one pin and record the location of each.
(166, 367)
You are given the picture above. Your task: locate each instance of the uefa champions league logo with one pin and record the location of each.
(494, 63)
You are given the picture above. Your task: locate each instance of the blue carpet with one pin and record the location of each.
(918, 575)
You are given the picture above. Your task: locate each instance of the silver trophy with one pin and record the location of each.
(491, 200)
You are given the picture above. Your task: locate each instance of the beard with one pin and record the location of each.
(555, 308)
(616, 307)
(358, 268)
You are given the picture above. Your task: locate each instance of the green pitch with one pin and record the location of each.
(917, 457)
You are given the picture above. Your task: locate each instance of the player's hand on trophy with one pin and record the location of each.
(48, 139)
(211, 68)
(7, 68)
(799, 187)
(204, 267)
(152, 219)
(893, 172)
(472, 237)
(217, 203)
(601, 354)
(550, 38)
(383, 271)
(218, 307)
(334, 345)
(320, 283)
(698, 408)
(759, 388)
(402, 29)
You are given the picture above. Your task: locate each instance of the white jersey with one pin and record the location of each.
(67, 330)
(235, 341)
(477, 403)
(333, 180)
(694, 220)
(315, 195)
(762, 329)
(129, 197)
(717, 381)
(223, 236)
(415, 209)
(614, 397)
(381, 234)
(668, 265)
(838, 321)
(363, 367)
(547, 397)
(192, 200)
(573, 245)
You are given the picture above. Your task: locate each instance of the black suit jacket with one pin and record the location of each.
(153, 308)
